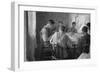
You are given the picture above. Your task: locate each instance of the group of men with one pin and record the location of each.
(61, 43)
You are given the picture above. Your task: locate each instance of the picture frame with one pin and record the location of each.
(17, 37)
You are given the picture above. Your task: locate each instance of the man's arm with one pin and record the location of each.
(44, 35)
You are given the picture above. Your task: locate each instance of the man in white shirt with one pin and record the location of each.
(47, 31)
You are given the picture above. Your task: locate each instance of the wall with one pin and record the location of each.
(43, 17)
(5, 35)
(67, 19)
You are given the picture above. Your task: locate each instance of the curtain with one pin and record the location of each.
(30, 31)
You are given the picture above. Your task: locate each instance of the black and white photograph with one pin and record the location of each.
(53, 36)
(56, 36)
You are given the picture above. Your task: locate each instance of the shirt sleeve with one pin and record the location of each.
(44, 34)
(53, 39)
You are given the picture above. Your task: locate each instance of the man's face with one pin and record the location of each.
(50, 23)
(60, 23)
(73, 25)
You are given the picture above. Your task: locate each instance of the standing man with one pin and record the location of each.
(47, 31)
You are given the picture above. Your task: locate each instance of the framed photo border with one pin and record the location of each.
(16, 59)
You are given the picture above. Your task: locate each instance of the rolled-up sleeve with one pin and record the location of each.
(44, 35)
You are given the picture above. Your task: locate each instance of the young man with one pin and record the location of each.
(73, 29)
(45, 35)
(58, 34)
(47, 31)
(58, 42)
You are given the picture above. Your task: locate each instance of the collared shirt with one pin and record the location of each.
(46, 32)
